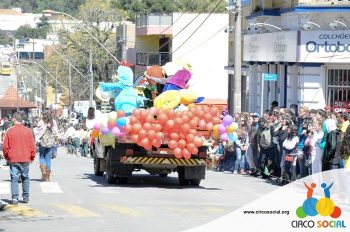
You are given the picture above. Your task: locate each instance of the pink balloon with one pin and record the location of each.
(97, 126)
(222, 129)
(224, 137)
(116, 131)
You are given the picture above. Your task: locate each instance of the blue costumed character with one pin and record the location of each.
(126, 98)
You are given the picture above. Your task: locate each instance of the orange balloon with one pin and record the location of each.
(198, 141)
(182, 136)
(170, 114)
(190, 138)
(207, 117)
(178, 153)
(159, 135)
(157, 127)
(190, 147)
(199, 113)
(156, 143)
(128, 128)
(174, 136)
(142, 134)
(135, 138)
(193, 123)
(185, 118)
(216, 120)
(186, 154)
(195, 151)
(145, 142)
(147, 126)
(193, 131)
(169, 124)
(162, 119)
(214, 111)
(172, 144)
(181, 143)
(190, 115)
(209, 126)
(178, 122)
(202, 124)
(136, 128)
(185, 128)
(151, 134)
(120, 113)
(133, 120)
(149, 118)
(95, 134)
(215, 135)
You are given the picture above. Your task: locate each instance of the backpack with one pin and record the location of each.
(47, 140)
(266, 139)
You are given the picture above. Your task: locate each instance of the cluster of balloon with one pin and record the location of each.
(225, 131)
(152, 127)
(112, 124)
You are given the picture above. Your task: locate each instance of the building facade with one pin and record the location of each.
(197, 39)
(306, 44)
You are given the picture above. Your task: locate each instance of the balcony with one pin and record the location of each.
(148, 59)
(154, 24)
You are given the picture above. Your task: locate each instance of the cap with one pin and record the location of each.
(255, 115)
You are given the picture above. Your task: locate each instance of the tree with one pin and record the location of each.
(100, 20)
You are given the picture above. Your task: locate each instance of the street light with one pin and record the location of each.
(77, 21)
(263, 25)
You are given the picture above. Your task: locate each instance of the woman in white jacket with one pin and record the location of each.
(313, 141)
(290, 154)
(46, 136)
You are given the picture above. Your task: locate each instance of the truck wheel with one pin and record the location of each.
(195, 182)
(97, 167)
(122, 180)
(184, 181)
(163, 174)
(111, 179)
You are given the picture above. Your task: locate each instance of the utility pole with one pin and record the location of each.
(91, 98)
(238, 59)
(70, 91)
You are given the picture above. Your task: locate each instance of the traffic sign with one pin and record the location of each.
(270, 76)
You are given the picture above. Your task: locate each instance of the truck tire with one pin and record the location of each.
(111, 179)
(181, 176)
(97, 166)
(195, 182)
(122, 180)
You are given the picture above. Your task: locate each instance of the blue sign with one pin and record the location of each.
(270, 76)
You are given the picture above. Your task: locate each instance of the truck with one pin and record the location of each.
(123, 157)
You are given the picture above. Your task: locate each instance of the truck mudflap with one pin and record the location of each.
(163, 161)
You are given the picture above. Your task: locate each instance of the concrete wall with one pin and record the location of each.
(206, 51)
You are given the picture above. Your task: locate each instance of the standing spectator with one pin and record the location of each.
(47, 131)
(331, 155)
(302, 133)
(90, 119)
(252, 151)
(84, 141)
(314, 140)
(345, 149)
(19, 149)
(290, 154)
(343, 121)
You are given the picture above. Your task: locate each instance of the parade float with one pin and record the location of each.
(160, 131)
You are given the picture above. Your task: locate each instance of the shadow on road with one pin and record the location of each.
(144, 181)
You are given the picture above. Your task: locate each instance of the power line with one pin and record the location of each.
(185, 26)
(216, 6)
(217, 32)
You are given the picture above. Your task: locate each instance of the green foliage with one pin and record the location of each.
(39, 32)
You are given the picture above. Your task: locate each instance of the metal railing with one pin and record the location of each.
(148, 59)
(153, 20)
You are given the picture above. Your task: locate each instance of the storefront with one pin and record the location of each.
(313, 68)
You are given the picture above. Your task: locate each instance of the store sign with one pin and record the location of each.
(270, 76)
(324, 47)
(274, 47)
(341, 106)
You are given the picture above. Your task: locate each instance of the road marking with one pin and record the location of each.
(50, 187)
(192, 213)
(124, 210)
(5, 188)
(106, 189)
(25, 211)
(76, 211)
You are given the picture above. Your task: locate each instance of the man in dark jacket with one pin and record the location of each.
(331, 156)
(19, 149)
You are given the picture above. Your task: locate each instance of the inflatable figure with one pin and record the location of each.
(126, 98)
(178, 81)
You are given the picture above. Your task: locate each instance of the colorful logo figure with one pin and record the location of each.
(323, 206)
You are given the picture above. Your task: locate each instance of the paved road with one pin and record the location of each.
(76, 200)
